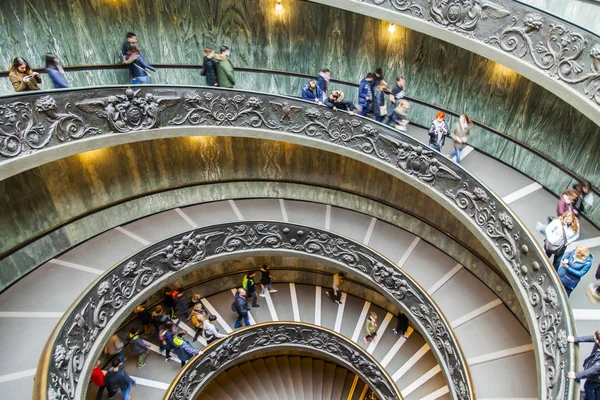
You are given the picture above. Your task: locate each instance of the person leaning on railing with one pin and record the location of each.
(22, 77)
(336, 100)
(591, 365)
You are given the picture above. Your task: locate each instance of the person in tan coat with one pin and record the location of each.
(460, 135)
(22, 77)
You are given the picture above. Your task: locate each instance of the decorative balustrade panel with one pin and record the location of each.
(557, 49)
(273, 336)
(31, 123)
(90, 320)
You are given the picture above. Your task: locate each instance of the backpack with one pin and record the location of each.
(234, 306)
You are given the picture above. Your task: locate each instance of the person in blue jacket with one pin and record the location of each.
(365, 96)
(591, 365)
(55, 72)
(322, 80)
(183, 348)
(574, 266)
(116, 378)
(167, 340)
(139, 67)
(312, 92)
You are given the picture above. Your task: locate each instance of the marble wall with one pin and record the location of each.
(305, 38)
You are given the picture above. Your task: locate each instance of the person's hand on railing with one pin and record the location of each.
(571, 375)
(571, 339)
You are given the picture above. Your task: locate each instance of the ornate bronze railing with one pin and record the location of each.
(557, 54)
(270, 337)
(64, 119)
(81, 334)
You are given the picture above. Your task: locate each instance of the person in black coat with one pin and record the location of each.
(209, 69)
(591, 365)
(116, 378)
(336, 100)
(266, 281)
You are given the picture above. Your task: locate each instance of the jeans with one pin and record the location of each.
(238, 321)
(366, 108)
(100, 392)
(557, 258)
(142, 359)
(183, 316)
(592, 390)
(121, 356)
(198, 333)
(456, 153)
(254, 298)
(126, 393)
(140, 80)
(435, 146)
(337, 295)
(380, 118)
(265, 287)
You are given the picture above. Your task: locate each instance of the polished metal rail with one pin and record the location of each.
(199, 67)
(81, 334)
(268, 338)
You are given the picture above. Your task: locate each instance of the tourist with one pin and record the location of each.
(195, 299)
(22, 77)
(55, 72)
(209, 68)
(169, 301)
(138, 347)
(400, 113)
(401, 326)
(198, 319)
(585, 198)
(181, 307)
(438, 132)
(241, 307)
(266, 281)
(225, 71)
(574, 266)
(396, 94)
(183, 349)
(116, 378)
(312, 92)
(145, 318)
(139, 66)
(128, 58)
(336, 292)
(114, 347)
(211, 333)
(591, 366)
(98, 379)
(322, 81)
(365, 96)
(371, 327)
(336, 100)
(566, 202)
(460, 135)
(561, 232)
(250, 287)
(379, 107)
(377, 78)
(168, 334)
(158, 317)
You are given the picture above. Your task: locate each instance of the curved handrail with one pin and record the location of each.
(268, 337)
(81, 333)
(125, 111)
(533, 150)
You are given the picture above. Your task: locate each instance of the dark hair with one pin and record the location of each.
(115, 363)
(379, 71)
(224, 49)
(133, 332)
(181, 333)
(133, 48)
(167, 290)
(341, 274)
(251, 273)
(370, 75)
(169, 325)
(17, 62)
(51, 60)
(212, 317)
(130, 35)
(207, 51)
(468, 119)
(325, 70)
(399, 78)
(597, 336)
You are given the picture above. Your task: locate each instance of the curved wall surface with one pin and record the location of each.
(349, 44)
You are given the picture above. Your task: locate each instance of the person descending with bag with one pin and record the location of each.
(198, 320)
(184, 350)
(250, 287)
(371, 327)
(241, 307)
(591, 366)
(138, 347)
(561, 232)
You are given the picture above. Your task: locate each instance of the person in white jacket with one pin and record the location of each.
(561, 232)
(210, 332)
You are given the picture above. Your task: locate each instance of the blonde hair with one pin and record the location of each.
(574, 224)
(581, 252)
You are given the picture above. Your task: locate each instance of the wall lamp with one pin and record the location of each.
(278, 7)
(392, 28)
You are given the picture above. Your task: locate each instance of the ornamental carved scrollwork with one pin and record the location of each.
(463, 16)
(131, 111)
(273, 336)
(91, 318)
(20, 134)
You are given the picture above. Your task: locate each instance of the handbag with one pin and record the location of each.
(382, 110)
(556, 249)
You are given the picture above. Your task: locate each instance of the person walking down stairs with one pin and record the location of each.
(198, 320)
(210, 332)
(241, 307)
(371, 327)
(116, 378)
(266, 280)
(183, 349)
(250, 287)
(138, 347)
(401, 326)
(336, 292)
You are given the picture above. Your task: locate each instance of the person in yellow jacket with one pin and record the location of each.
(198, 318)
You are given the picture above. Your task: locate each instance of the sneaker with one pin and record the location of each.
(262, 295)
(141, 366)
(327, 294)
(339, 302)
(395, 332)
(541, 228)
(404, 336)
(367, 340)
(167, 359)
(273, 291)
(256, 305)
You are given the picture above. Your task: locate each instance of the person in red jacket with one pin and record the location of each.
(98, 380)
